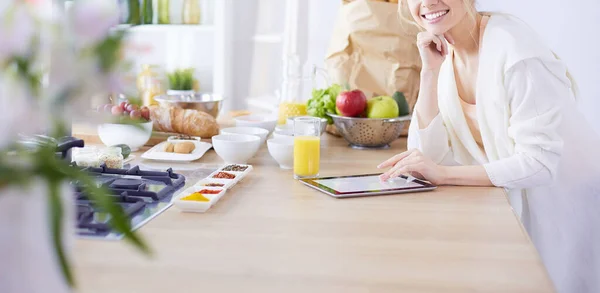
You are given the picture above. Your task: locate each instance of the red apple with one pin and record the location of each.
(351, 103)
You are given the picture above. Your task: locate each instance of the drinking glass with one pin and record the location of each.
(307, 147)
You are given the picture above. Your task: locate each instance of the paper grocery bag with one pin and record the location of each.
(373, 51)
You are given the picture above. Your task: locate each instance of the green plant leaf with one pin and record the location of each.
(56, 222)
(181, 79)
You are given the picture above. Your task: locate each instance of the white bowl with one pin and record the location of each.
(283, 133)
(265, 122)
(236, 148)
(282, 150)
(134, 136)
(260, 132)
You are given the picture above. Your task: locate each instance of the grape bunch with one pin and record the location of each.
(125, 109)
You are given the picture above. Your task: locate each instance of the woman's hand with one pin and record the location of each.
(433, 49)
(413, 162)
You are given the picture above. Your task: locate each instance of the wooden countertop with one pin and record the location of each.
(273, 234)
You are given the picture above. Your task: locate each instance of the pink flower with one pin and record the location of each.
(92, 20)
(17, 30)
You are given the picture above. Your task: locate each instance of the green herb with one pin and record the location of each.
(323, 102)
(181, 80)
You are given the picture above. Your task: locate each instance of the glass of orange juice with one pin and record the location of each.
(307, 147)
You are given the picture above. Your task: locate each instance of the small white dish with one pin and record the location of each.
(236, 148)
(135, 136)
(238, 177)
(232, 168)
(177, 138)
(265, 122)
(282, 150)
(260, 132)
(157, 153)
(226, 184)
(197, 206)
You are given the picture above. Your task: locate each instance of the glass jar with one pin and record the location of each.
(191, 12)
(164, 12)
(86, 157)
(151, 82)
(112, 157)
(296, 90)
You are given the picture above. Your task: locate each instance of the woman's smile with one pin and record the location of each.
(434, 17)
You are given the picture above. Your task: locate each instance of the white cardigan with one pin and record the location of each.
(536, 145)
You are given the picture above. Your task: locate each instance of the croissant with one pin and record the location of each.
(183, 121)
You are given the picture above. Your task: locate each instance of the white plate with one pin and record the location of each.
(157, 153)
(197, 206)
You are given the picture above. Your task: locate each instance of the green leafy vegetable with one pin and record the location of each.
(323, 102)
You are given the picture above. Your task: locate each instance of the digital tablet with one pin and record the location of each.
(365, 185)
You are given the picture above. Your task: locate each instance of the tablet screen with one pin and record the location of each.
(365, 183)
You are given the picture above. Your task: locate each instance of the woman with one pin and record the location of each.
(496, 108)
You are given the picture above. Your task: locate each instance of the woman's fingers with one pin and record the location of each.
(411, 159)
(395, 159)
(426, 39)
(444, 46)
(449, 38)
(410, 168)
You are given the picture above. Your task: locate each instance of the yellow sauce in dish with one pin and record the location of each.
(196, 196)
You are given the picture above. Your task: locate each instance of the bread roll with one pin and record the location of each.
(185, 147)
(183, 121)
(169, 147)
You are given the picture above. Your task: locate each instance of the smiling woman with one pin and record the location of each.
(496, 107)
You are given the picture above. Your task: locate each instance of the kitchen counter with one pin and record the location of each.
(273, 234)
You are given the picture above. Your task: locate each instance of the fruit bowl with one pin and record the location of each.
(370, 133)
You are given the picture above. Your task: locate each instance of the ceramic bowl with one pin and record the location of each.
(265, 122)
(282, 150)
(206, 102)
(236, 148)
(260, 132)
(134, 136)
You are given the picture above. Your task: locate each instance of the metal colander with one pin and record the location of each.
(369, 132)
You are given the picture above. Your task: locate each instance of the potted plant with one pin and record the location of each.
(181, 82)
(50, 66)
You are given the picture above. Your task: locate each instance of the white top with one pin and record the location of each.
(536, 145)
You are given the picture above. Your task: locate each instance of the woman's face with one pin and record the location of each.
(437, 16)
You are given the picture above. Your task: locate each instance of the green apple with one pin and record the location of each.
(382, 107)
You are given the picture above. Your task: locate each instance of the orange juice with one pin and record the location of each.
(289, 109)
(306, 156)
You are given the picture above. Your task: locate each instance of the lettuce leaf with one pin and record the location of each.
(323, 102)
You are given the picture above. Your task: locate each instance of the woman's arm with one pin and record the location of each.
(426, 108)
(537, 90)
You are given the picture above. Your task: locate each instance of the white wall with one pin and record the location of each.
(570, 28)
